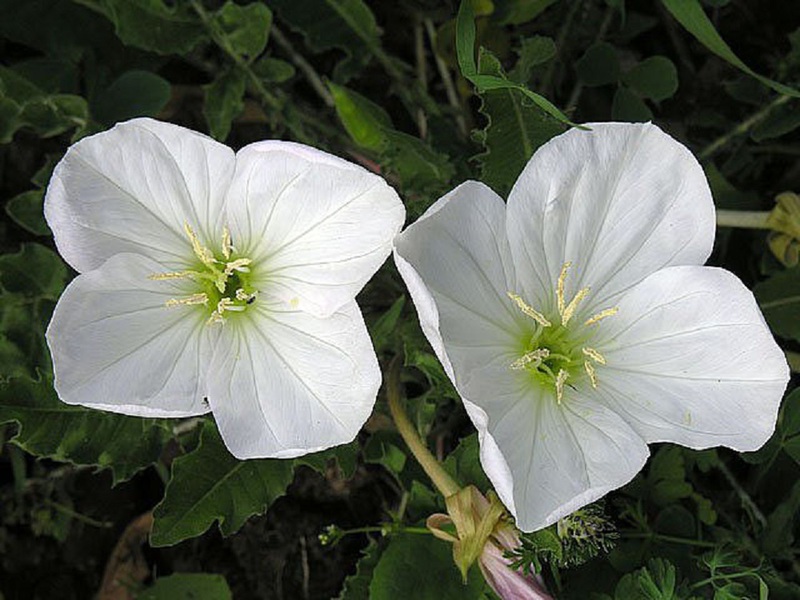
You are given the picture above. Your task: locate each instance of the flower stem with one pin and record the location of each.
(667, 538)
(441, 479)
(76, 515)
(744, 219)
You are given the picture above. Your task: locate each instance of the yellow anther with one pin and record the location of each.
(188, 300)
(227, 243)
(529, 310)
(561, 379)
(204, 254)
(240, 264)
(534, 357)
(608, 312)
(589, 367)
(594, 355)
(170, 275)
(243, 296)
(560, 287)
(573, 305)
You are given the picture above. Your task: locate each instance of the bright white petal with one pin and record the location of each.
(132, 189)
(553, 459)
(316, 226)
(116, 347)
(691, 361)
(620, 202)
(284, 384)
(456, 263)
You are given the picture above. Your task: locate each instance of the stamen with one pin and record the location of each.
(529, 310)
(560, 287)
(227, 243)
(170, 275)
(240, 264)
(566, 315)
(608, 312)
(244, 296)
(535, 357)
(188, 300)
(594, 355)
(561, 379)
(204, 254)
(589, 367)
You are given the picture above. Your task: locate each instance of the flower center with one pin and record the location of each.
(558, 352)
(223, 281)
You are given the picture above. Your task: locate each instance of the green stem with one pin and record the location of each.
(723, 577)
(793, 358)
(744, 497)
(76, 515)
(744, 219)
(667, 538)
(741, 128)
(303, 65)
(441, 479)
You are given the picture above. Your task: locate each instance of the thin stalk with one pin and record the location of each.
(303, 65)
(744, 219)
(440, 478)
(601, 33)
(547, 80)
(76, 515)
(742, 493)
(667, 538)
(741, 128)
(447, 80)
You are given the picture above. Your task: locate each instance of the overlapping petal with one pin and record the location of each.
(116, 347)
(690, 360)
(284, 383)
(620, 202)
(132, 189)
(317, 226)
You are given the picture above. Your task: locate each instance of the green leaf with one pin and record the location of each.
(464, 464)
(384, 448)
(627, 106)
(132, 94)
(779, 298)
(599, 65)
(49, 428)
(366, 122)
(514, 130)
(516, 12)
(188, 586)
(347, 25)
(245, 27)
(273, 70)
(209, 485)
(533, 51)
(398, 575)
(465, 49)
(356, 586)
(152, 24)
(34, 271)
(345, 456)
(667, 476)
(780, 121)
(789, 427)
(26, 211)
(655, 78)
(690, 14)
(224, 101)
(381, 331)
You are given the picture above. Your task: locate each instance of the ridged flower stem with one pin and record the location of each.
(743, 219)
(441, 479)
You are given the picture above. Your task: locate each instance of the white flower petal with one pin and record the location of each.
(554, 458)
(620, 202)
(283, 384)
(317, 226)
(132, 189)
(690, 360)
(117, 347)
(456, 263)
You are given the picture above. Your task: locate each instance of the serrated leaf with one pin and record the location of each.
(49, 428)
(667, 476)
(26, 211)
(210, 485)
(779, 299)
(34, 271)
(599, 65)
(224, 101)
(152, 24)
(245, 27)
(356, 586)
(188, 586)
(690, 14)
(133, 94)
(346, 25)
(627, 106)
(655, 78)
(515, 129)
(398, 575)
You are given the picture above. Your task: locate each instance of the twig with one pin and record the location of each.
(422, 75)
(303, 65)
(745, 498)
(447, 80)
(601, 33)
(743, 219)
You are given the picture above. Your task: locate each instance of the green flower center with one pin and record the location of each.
(224, 279)
(558, 352)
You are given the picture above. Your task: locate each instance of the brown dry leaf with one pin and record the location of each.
(127, 569)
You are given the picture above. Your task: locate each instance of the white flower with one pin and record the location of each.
(577, 324)
(221, 281)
